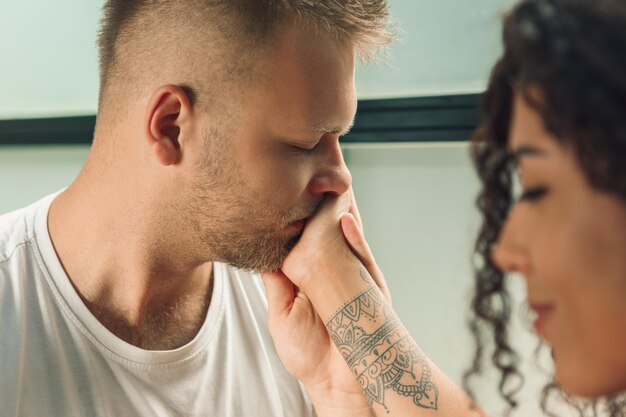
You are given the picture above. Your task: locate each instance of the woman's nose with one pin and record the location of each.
(510, 253)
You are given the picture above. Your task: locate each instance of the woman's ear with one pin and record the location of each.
(169, 109)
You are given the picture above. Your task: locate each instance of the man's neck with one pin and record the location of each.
(145, 292)
(161, 326)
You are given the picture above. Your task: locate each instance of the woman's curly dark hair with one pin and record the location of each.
(574, 53)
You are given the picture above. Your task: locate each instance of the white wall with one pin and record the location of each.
(444, 47)
(29, 173)
(417, 204)
(48, 59)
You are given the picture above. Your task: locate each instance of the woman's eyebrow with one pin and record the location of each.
(527, 151)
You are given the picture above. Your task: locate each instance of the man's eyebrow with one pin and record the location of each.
(323, 129)
(527, 151)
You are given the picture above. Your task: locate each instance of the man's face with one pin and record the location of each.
(267, 176)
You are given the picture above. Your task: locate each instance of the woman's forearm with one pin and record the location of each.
(397, 378)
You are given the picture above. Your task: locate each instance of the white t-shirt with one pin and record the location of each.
(57, 359)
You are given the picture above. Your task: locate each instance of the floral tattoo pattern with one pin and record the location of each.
(383, 359)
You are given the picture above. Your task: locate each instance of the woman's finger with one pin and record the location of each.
(354, 209)
(355, 239)
(280, 293)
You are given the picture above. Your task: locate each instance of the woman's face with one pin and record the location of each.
(569, 240)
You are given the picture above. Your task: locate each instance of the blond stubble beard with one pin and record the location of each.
(228, 219)
(239, 240)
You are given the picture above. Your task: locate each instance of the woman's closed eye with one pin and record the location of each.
(533, 194)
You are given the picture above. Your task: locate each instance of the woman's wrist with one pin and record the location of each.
(330, 402)
(334, 280)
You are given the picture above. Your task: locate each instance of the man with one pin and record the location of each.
(126, 294)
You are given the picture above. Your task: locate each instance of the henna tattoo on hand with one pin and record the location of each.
(383, 359)
(366, 275)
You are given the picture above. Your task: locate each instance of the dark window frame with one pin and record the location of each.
(449, 118)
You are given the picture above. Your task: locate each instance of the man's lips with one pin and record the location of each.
(296, 227)
(543, 313)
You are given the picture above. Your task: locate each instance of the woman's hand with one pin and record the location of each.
(353, 233)
(337, 275)
(308, 353)
(299, 334)
(332, 246)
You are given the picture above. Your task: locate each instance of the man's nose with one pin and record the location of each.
(332, 175)
(510, 253)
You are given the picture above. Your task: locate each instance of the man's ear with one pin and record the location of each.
(169, 109)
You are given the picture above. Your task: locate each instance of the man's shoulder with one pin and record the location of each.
(17, 227)
(14, 230)
(16, 233)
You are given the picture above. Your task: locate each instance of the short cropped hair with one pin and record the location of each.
(140, 38)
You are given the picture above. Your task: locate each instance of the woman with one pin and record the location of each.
(555, 113)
